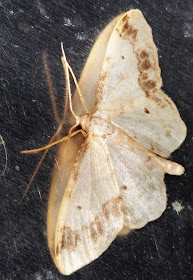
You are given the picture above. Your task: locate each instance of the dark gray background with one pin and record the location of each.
(162, 249)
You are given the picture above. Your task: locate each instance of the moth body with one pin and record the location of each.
(97, 125)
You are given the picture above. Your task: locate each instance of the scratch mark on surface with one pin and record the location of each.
(133, 251)
(149, 247)
(184, 74)
(156, 245)
(15, 245)
(6, 157)
(8, 57)
(11, 120)
(39, 193)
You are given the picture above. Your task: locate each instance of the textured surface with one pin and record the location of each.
(160, 250)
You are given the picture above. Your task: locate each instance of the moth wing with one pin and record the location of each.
(141, 179)
(90, 215)
(61, 174)
(129, 92)
(90, 74)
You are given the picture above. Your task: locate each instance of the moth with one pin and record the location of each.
(113, 180)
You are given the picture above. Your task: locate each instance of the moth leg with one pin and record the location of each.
(40, 162)
(54, 143)
(56, 116)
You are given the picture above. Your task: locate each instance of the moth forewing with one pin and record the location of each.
(130, 52)
(92, 70)
(90, 215)
(130, 82)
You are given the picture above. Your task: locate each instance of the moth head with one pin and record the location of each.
(84, 121)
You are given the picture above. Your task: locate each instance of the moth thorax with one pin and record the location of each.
(100, 126)
(84, 122)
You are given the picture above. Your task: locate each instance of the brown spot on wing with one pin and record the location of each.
(79, 158)
(125, 18)
(112, 207)
(147, 94)
(99, 225)
(106, 211)
(148, 158)
(152, 147)
(79, 207)
(126, 30)
(125, 27)
(100, 86)
(146, 110)
(151, 187)
(93, 232)
(96, 228)
(69, 240)
(108, 58)
(144, 76)
(149, 84)
(129, 32)
(122, 57)
(146, 64)
(158, 101)
(168, 133)
(124, 187)
(144, 54)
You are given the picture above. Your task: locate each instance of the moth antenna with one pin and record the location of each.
(66, 104)
(65, 66)
(53, 143)
(68, 97)
(78, 89)
(6, 157)
(50, 87)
